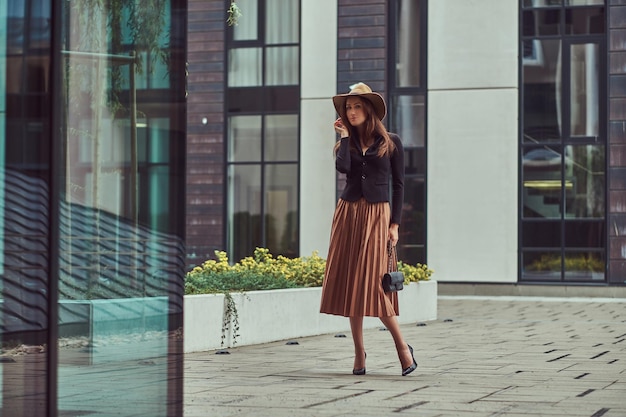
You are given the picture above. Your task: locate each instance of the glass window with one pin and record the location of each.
(563, 143)
(542, 90)
(541, 173)
(281, 137)
(244, 67)
(281, 65)
(541, 265)
(244, 133)
(247, 28)
(283, 21)
(585, 89)
(584, 266)
(542, 3)
(585, 181)
(409, 117)
(408, 53)
(244, 205)
(281, 205)
(541, 234)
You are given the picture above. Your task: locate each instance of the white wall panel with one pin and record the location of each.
(317, 137)
(472, 185)
(319, 49)
(472, 44)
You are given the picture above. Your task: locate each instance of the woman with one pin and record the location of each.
(363, 223)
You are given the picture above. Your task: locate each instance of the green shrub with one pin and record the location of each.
(262, 271)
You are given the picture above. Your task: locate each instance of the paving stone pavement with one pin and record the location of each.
(484, 356)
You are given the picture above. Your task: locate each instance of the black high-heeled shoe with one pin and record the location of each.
(413, 366)
(360, 371)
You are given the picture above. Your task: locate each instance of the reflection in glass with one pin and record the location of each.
(585, 90)
(542, 3)
(281, 209)
(281, 137)
(584, 266)
(541, 22)
(282, 65)
(244, 67)
(584, 2)
(584, 170)
(542, 91)
(244, 133)
(541, 266)
(247, 29)
(244, 210)
(24, 206)
(541, 173)
(283, 21)
(408, 33)
(121, 248)
(409, 119)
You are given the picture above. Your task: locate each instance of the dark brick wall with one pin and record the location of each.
(362, 44)
(617, 141)
(205, 142)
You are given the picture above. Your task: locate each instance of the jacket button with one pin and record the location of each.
(363, 177)
(364, 163)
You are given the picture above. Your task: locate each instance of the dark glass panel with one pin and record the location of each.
(541, 234)
(415, 161)
(284, 99)
(585, 234)
(541, 22)
(541, 175)
(584, 21)
(413, 228)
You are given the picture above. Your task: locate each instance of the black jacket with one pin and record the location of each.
(368, 175)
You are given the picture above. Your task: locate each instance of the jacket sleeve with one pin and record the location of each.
(342, 160)
(397, 180)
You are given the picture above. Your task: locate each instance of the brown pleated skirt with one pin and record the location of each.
(357, 259)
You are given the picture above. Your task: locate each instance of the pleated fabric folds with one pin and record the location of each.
(357, 259)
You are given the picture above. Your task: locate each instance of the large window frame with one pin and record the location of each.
(411, 92)
(266, 98)
(551, 249)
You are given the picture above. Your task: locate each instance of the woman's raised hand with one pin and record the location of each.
(340, 128)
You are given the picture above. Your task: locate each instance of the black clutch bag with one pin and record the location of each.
(392, 280)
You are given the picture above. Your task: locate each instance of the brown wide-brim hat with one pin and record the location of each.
(364, 91)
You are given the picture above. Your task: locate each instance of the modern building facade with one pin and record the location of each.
(92, 157)
(512, 114)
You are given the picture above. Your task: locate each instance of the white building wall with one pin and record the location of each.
(318, 77)
(472, 200)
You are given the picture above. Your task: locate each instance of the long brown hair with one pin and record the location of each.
(373, 128)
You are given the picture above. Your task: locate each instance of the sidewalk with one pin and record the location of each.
(484, 356)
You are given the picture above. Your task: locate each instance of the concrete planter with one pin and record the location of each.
(268, 316)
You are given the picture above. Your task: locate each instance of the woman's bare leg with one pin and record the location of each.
(356, 326)
(391, 323)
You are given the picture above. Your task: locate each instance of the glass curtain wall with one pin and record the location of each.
(92, 145)
(563, 141)
(262, 136)
(407, 118)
